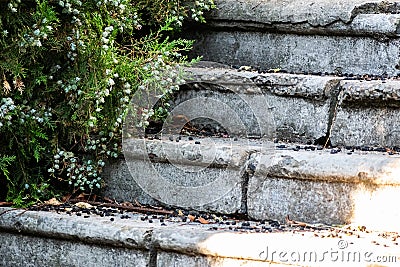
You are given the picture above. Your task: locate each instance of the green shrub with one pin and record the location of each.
(69, 69)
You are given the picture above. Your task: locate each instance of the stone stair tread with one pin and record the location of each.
(261, 179)
(352, 110)
(358, 37)
(311, 12)
(297, 161)
(315, 85)
(190, 242)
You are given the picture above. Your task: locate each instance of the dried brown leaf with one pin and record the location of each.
(53, 201)
(203, 221)
(191, 217)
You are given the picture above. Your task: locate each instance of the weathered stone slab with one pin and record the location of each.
(287, 106)
(78, 229)
(322, 187)
(314, 13)
(368, 114)
(207, 176)
(355, 37)
(29, 251)
(121, 186)
(379, 26)
(173, 259)
(177, 244)
(294, 52)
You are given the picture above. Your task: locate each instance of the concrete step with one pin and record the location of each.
(294, 107)
(247, 172)
(38, 238)
(357, 36)
(260, 179)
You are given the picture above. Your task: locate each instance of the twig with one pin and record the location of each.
(296, 223)
(5, 204)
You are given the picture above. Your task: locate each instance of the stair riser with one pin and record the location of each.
(295, 108)
(324, 202)
(299, 53)
(122, 184)
(261, 115)
(57, 239)
(311, 186)
(21, 250)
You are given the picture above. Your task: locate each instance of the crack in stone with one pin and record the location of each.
(249, 168)
(152, 248)
(332, 111)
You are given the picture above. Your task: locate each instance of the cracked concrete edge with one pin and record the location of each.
(380, 92)
(251, 82)
(52, 225)
(190, 239)
(217, 153)
(372, 169)
(309, 17)
(337, 92)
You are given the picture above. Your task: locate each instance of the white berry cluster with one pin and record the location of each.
(82, 173)
(6, 111)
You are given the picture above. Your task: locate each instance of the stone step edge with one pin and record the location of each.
(345, 89)
(198, 240)
(362, 18)
(268, 159)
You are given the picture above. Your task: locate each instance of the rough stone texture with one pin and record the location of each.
(293, 52)
(62, 226)
(27, 251)
(285, 106)
(299, 108)
(169, 259)
(368, 114)
(312, 12)
(177, 244)
(313, 186)
(379, 26)
(206, 176)
(315, 36)
(121, 186)
(326, 188)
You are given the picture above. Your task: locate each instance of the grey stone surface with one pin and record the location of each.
(379, 26)
(177, 244)
(170, 259)
(313, 12)
(315, 36)
(367, 114)
(293, 52)
(206, 176)
(61, 226)
(121, 186)
(323, 187)
(313, 186)
(287, 106)
(29, 251)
